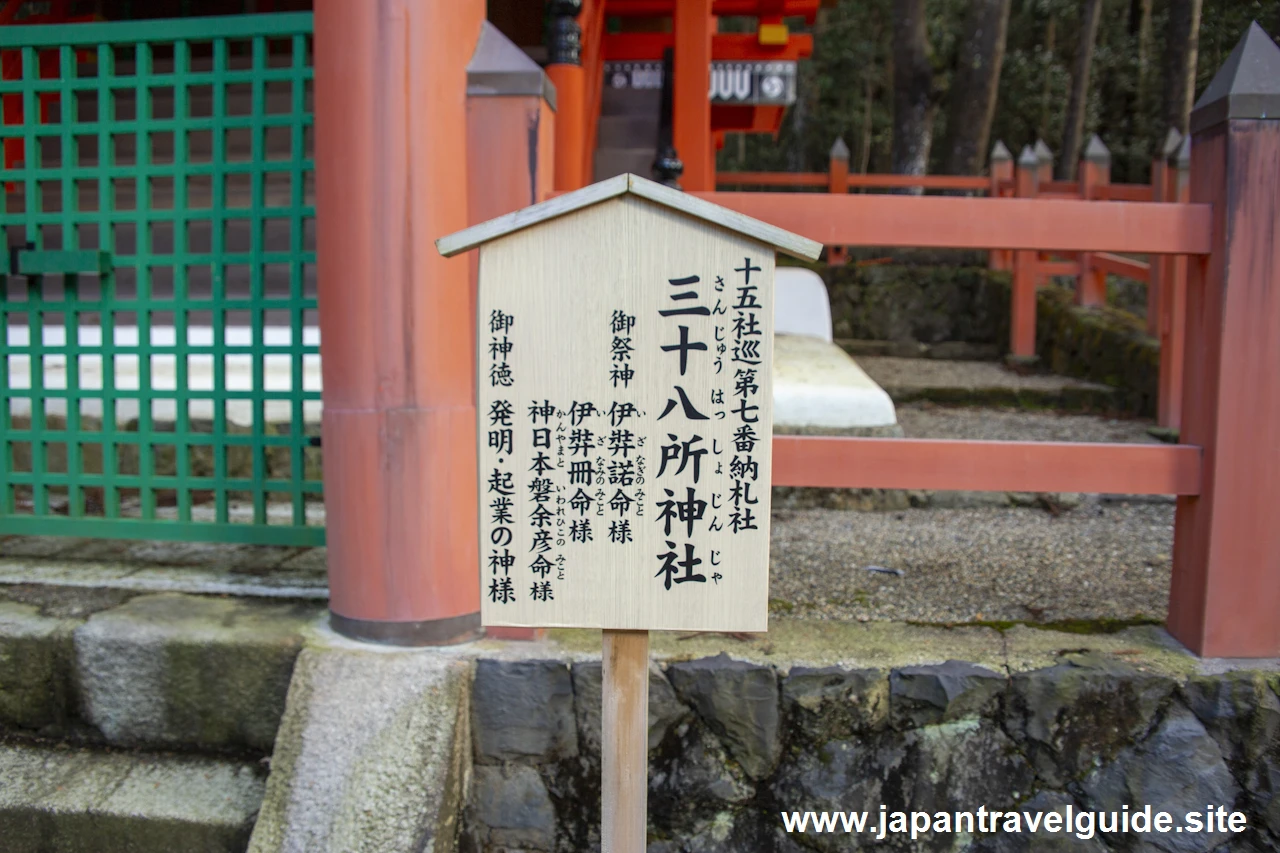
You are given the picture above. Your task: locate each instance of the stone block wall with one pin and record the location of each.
(924, 304)
(732, 744)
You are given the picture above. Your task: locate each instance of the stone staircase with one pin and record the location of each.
(136, 721)
(627, 137)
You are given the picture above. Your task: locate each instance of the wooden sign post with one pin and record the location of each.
(624, 407)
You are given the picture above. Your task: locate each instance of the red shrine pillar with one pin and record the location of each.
(399, 413)
(1225, 595)
(564, 68)
(691, 98)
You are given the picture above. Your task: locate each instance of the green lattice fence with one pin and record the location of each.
(160, 370)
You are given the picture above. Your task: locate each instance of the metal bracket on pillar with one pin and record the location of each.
(667, 167)
(564, 35)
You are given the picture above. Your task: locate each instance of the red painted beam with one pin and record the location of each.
(747, 118)
(640, 47)
(1124, 192)
(981, 223)
(772, 179)
(986, 466)
(807, 9)
(1124, 267)
(928, 182)
(1055, 268)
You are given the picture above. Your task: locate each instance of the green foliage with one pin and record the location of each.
(852, 64)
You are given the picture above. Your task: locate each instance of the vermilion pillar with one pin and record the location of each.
(564, 68)
(691, 129)
(399, 416)
(1225, 596)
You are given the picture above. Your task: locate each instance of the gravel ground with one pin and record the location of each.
(928, 420)
(1105, 559)
(1102, 560)
(891, 372)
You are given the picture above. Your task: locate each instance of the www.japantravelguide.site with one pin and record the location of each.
(1083, 824)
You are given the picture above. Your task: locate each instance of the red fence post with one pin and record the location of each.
(399, 423)
(1044, 175)
(1095, 171)
(1022, 311)
(1225, 597)
(1173, 301)
(1001, 171)
(838, 182)
(1044, 156)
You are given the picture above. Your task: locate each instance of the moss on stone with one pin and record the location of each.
(1065, 626)
(1102, 344)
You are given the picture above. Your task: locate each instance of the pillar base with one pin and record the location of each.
(428, 632)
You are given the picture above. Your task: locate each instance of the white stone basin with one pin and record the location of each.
(817, 384)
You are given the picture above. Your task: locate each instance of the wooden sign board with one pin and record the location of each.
(625, 340)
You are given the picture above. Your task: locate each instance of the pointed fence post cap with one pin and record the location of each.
(1183, 158)
(839, 151)
(999, 152)
(1097, 152)
(1043, 153)
(1172, 142)
(1028, 159)
(1246, 86)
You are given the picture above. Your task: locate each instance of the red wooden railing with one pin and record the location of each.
(1030, 178)
(1217, 225)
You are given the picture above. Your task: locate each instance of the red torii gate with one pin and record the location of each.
(698, 125)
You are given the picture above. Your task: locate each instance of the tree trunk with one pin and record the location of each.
(912, 89)
(1141, 29)
(864, 152)
(806, 101)
(971, 103)
(1046, 69)
(1073, 121)
(1182, 42)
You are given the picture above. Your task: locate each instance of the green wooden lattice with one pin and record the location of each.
(159, 368)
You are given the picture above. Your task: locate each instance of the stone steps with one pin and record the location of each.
(100, 801)
(952, 381)
(619, 161)
(137, 722)
(164, 671)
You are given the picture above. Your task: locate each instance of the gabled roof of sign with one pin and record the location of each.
(783, 241)
(1247, 86)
